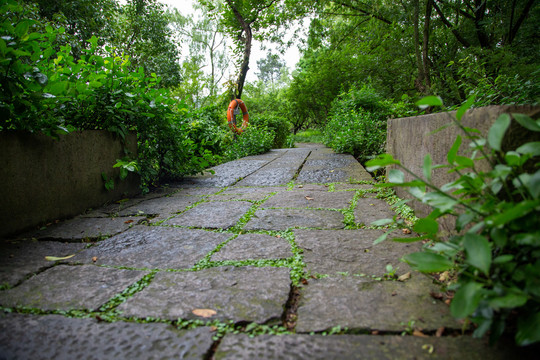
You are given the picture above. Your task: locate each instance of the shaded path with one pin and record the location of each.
(269, 244)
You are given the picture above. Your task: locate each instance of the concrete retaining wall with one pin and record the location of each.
(411, 139)
(43, 179)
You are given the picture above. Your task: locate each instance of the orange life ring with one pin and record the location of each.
(230, 116)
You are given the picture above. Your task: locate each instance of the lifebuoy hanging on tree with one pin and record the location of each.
(234, 105)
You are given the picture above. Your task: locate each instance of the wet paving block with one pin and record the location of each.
(361, 303)
(351, 251)
(226, 174)
(269, 177)
(212, 215)
(345, 347)
(82, 228)
(161, 208)
(57, 337)
(324, 167)
(369, 210)
(310, 199)
(65, 287)
(282, 219)
(21, 258)
(153, 247)
(348, 187)
(247, 193)
(194, 191)
(239, 294)
(254, 246)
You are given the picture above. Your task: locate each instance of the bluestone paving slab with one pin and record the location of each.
(344, 347)
(351, 251)
(57, 337)
(361, 303)
(369, 210)
(204, 191)
(254, 246)
(239, 294)
(153, 247)
(213, 215)
(269, 177)
(21, 258)
(310, 187)
(310, 199)
(346, 187)
(161, 208)
(65, 287)
(282, 219)
(247, 193)
(323, 167)
(84, 228)
(226, 174)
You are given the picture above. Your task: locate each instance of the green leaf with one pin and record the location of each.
(464, 161)
(95, 84)
(478, 252)
(55, 258)
(427, 167)
(22, 28)
(396, 176)
(426, 225)
(526, 122)
(534, 185)
(451, 156)
(463, 108)
(410, 239)
(466, 300)
(380, 239)
(532, 148)
(519, 210)
(440, 201)
(381, 161)
(503, 259)
(428, 101)
(382, 222)
(528, 329)
(497, 131)
(428, 262)
(512, 299)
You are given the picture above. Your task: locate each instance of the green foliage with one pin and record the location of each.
(357, 123)
(254, 140)
(309, 135)
(279, 126)
(496, 249)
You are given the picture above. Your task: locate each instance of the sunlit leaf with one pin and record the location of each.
(466, 106)
(527, 122)
(451, 156)
(55, 258)
(428, 262)
(497, 131)
(428, 101)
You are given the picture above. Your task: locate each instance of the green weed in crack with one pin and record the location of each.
(128, 292)
(250, 213)
(348, 214)
(206, 263)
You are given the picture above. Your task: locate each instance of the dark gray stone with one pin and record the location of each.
(56, 337)
(239, 294)
(82, 228)
(21, 258)
(351, 251)
(204, 191)
(346, 187)
(282, 219)
(153, 247)
(324, 166)
(310, 187)
(213, 215)
(321, 176)
(359, 303)
(247, 193)
(369, 210)
(161, 208)
(254, 246)
(227, 174)
(310, 199)
(344, 347)
(66, 287)
(269, 177)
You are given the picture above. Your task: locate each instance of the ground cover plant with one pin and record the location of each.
(495, 251)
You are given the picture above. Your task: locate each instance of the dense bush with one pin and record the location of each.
(495, 253)
(254, 140)
(357, 122)
(277, 124)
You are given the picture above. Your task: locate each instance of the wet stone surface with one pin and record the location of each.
(369, 210)
(82, 228)
(227, 174)
(351, 251)
(310, 199)
(212, 215)
(30, 337)
(269, 177)
(282, 219)
(161, 208)
(153, 248)
(345, 347)
(247, 193)
(66, 287)
(240, 294)
(21, 258)
(372, 305)
(254, 246)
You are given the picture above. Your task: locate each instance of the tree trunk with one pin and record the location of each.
(425, 47)
(247, 37)
(419, 82)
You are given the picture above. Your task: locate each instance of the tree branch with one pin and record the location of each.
(373, 15)
(445, 21)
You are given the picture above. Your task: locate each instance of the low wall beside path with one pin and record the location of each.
(43, 179)
(411, 139)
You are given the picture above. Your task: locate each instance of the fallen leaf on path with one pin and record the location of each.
(94, 259)
(128, 222)
(436, 295)
(375, 332)
(440, 331)
(205, 313)
(428, 347)
(309, 198)
(394, 293)
(444, 276)
(447, 301)
(213, 328)
(406, 231)
(55, 258)
(300, 186)
(278, 236)
(419, 333)
(405, 277)
(305, 282)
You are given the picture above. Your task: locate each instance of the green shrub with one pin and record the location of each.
(278, 125)
(309, 136)
(496, 252)
(254, 140)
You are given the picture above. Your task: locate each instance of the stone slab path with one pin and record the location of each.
(271, 257)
